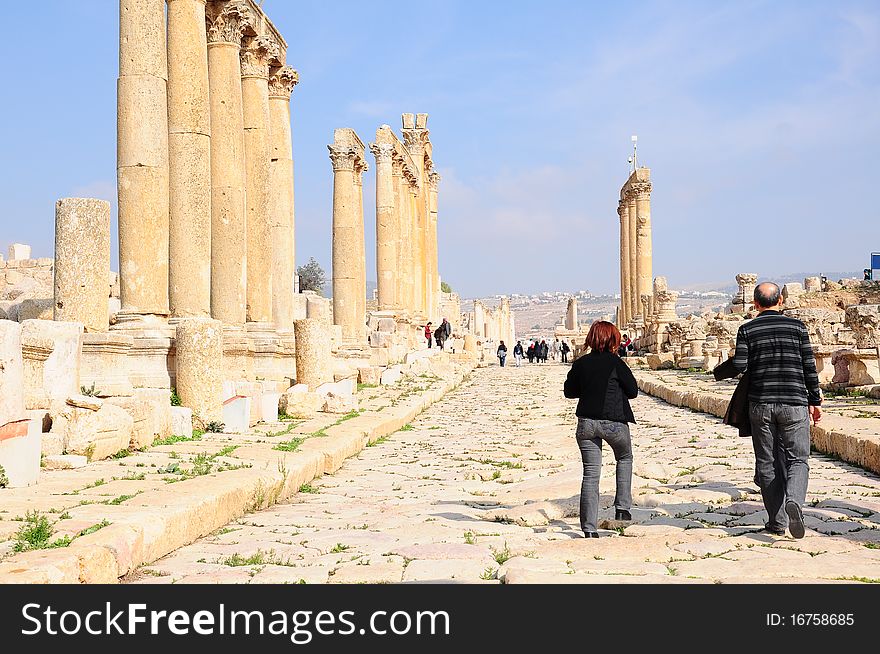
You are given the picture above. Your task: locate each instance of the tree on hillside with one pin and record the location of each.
(312, 277)
(445, 288)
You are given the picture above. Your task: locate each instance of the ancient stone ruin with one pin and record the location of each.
(205, 306)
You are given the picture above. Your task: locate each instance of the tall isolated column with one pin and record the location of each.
(281, 211)
(645, 264)
(415, 136)
(346, 281)
(634, 302)
(624, 315)
(386, 229)
(142, 157)
(189, 146)
(228, 210)
(255, 57)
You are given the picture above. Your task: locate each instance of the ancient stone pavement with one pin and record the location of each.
(482, 488)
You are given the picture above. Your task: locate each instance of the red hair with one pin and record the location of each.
(603, 337)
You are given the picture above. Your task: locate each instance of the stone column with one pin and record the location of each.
(189, 144)
(416, 138)
(571, 315)
(386, 229)
(199, 357)
(433, 252)
(142, 157)
(346, 253)
(227, 23)
(312, 353)
(625, 305)
(255, 57)
(82, 262)
(281, 212)
(632, 223)
(642, 192)
(746, 293)
(400, 293)
(360, 240)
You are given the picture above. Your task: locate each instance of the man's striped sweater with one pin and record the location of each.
(776, 351)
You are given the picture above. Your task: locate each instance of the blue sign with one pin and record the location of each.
(875, 261)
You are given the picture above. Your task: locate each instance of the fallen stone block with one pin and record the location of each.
(20, 453)
(661, 361)
(64, 461)
(370, 375)
(391, 376)
(36, 309)
(181, 421)
(301, 403)
(95, 434)
(340, 403)
(236, 414)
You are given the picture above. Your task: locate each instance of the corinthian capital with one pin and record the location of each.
(228, 22)
(342, 157)
(256, 55)
(383, 152)
(622, 209)
(434, 181)
(641, 190)
(416, 140)
(282, 81)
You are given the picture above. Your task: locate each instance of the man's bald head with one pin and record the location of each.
(767, 295)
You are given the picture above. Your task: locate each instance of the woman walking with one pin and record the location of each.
(530, 353)
(545, 350)
(603, 384)
(502, 353)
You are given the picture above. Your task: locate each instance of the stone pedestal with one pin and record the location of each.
(313, 365)
(199, 381)
(142, 157)
(82, 259)
(53, 355)
(12, 407)
(104, 366)
(189, 144)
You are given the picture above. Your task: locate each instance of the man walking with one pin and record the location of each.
(444, 331)
(784, 395)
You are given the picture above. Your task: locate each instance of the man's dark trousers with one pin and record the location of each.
(781, 438)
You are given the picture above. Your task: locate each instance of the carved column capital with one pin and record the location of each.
(342, 157)
(256, 54)
(227, 23)
(434, 181)
(622, 209)
(416, 140)
(641, 190)
(282, 81)
(384, 152)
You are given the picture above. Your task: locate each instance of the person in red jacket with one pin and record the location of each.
(428, 333)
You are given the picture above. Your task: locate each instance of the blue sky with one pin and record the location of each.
(760, 122)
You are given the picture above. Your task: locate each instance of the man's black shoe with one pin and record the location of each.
(623, 515)
(776, 531)
(591, 534)
(795, 519)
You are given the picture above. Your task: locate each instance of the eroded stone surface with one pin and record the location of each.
(483, 491)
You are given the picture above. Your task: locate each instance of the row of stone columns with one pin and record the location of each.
(407, 187)
(205, 163)
(636, 256)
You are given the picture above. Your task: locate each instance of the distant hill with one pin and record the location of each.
(730, 287)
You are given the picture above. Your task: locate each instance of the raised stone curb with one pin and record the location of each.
(834, 435)
(161, 521)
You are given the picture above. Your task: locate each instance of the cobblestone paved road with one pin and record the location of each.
(483, 488)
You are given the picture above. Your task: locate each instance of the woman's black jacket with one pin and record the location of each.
(604, 384)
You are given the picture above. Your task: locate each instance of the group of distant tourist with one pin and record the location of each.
(776, 400)
(440, 335)
(536, 352)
